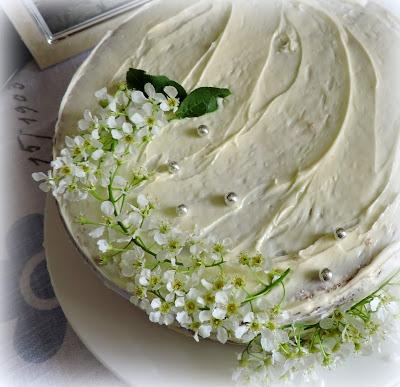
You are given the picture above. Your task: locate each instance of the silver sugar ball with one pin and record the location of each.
(182, 210)
(325, 275)
(340, 233)
(173, 167)
(203, 131)
(231, 198)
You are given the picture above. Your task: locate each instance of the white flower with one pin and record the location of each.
(272, 338)
(150, 278)
(108, 165)
(90, 171)
(218, 248)
(101, 94)
(175, 283)
(172, 245)
(103, 245)
(374, 304)
(160, 234)
(163, 312)
(142, 201)
(47, 182)
(222, 335)
(77, 146)
(152, 94)
(210, 324)
(120, 100)
(68, 175)
(228, 303)
(138, 97)
(171, 103)
(129, 259)
(112, 122)
(119, 182)
(197, 245)
(107, 208)
(97, 154)
(144, 277)
(188, 304)
(126, 139)
(97, 232)
(251, 327)
(131, 218)
(88, 121)
(205, 327)
(148, 119)
(183, 319)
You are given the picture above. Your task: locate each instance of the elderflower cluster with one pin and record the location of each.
(361, 328)
(184, 279)
(126, 121)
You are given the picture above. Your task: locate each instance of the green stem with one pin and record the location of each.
(138, 242)
(157, 293)
(371, 296)
(268, 288)
(97, 196)
(123, 227)
(216, 263)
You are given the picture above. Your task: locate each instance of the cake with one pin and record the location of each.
(265, 213)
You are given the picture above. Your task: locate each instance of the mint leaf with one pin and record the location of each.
(136, 79)
(201, 101)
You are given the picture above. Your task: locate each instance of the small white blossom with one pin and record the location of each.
(46, 180)
(138, 97)
(88, 121)
(149, 119)
(171, 103)
(251, 327)
(107, 208)
(142, 201)
(126, 139)
(163, 312)
(129, 259)
(101, 94)
(271, 338)
(175, 283)
(97, 232)
(228, 303)
(103, 245)
(152, 94)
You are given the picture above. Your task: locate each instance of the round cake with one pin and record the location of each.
(232, 167)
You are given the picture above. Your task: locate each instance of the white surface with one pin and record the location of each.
(146, 355)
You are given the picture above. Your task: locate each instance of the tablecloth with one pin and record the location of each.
(38, 346)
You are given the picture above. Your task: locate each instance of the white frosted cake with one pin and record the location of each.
(262, 209)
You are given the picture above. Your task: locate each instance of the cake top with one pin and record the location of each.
(286, 184)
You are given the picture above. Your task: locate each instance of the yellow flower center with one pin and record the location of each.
(66, 170)
(231, 308)
(165, 307)
(190, 306)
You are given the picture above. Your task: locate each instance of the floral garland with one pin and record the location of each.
(181, 278)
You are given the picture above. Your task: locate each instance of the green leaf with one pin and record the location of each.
(201, 101)
(136, 79)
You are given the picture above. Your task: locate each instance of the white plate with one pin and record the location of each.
(146, 355)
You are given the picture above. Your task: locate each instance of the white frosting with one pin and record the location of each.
(308, 139)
